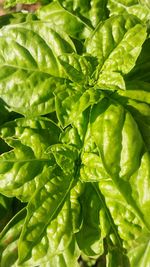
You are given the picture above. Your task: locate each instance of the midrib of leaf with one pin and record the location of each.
(62, 10)
(128, 199)
(27, 69)
(126, 109)
(101, 197)
(73, 182)
(28, 52)
(58, 207)
(114, 47)
(53, 214)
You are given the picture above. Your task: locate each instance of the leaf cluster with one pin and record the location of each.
(75, 135)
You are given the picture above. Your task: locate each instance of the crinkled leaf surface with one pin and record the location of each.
(29, 68)
(85, 181)
(93, 10)
(22, 168)
(117, 44)
(119, 134)
(141, 8)
(64, 20)
(80, 100)
(140, 255)
(43, 209)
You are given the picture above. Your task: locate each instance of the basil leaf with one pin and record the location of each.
(141, 8)
(25, 166)
(112, 39)
(27, 71)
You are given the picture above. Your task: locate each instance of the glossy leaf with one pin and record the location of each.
(141, 70)
(55, 243)
(136, 100)
(115, 130)
(90, 226)
(76, 208)
(140, 255)
(89, 10)
(98, 11)
(120, 35)
(92, 169)
(64, 20)
(141, 9)
(78, 68)
(65, 156)
(80, 101)
(46, 210)
(24, 168)
(74, 129)
(26, 74)
(67, 258)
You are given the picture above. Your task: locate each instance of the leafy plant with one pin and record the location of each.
(75, 135)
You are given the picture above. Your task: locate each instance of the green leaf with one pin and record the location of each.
(123, 153)
(80, 100)
(136, 100)
(117, 44)
(76, 208)
(79, 69)
(117, 32)
(116, 258)
(53, 232)
(60, 18)
(14, 18)
(65, 156)
(136, 90)
(70, 136)
(131, 230)
(87, 185)
(67, 258)
(56, 240)
(23, 91)
(111, 81)
(140, 255)
(26, 82)
(112, 129)
(141, 71)
(98, 11)
(43, 208)
(24, 168)
(92, 169)
(63, 100)
(88, 10)
(90, 226)
(141, 8)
